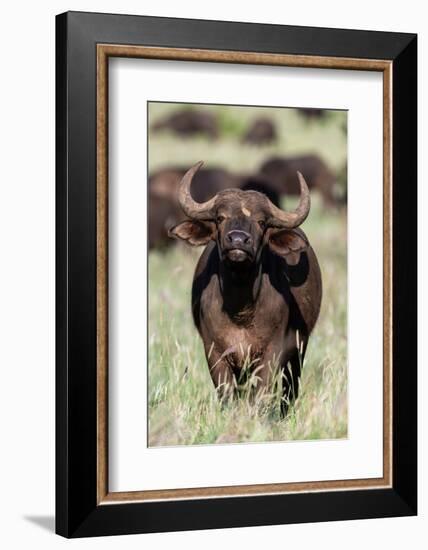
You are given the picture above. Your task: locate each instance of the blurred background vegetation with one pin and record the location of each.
(183, 408)
(297, 134)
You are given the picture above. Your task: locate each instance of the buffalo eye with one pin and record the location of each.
(220, 219)
(262, 224)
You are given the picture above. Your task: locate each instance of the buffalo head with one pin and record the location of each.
(242, 223)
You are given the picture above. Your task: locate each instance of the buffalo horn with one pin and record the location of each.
(289, 220)
(193, 209)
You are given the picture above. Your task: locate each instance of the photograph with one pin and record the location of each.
(247, 273)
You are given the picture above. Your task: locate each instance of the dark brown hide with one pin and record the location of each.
(262, 184)
(162, 214)
(282, 171)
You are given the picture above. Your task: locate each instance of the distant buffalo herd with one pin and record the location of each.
(193, 122)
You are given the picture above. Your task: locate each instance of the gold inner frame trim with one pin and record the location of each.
(104, 51)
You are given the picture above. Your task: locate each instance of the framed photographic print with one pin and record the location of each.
(236, 274)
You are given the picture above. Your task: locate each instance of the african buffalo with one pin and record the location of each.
(261, 132)
(256, 287)
(162, 214)
(282, 172)
(189, 123)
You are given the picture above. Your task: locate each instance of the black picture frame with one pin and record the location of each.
(77, 512)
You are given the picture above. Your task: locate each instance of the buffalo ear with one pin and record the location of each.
(195, 233)
(288, 243)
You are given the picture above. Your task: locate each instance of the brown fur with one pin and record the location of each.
(282, 171)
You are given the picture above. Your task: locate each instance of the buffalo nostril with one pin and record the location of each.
(238, 238)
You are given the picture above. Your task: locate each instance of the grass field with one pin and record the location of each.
(183, 407)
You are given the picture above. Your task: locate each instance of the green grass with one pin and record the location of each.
(183, 406)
